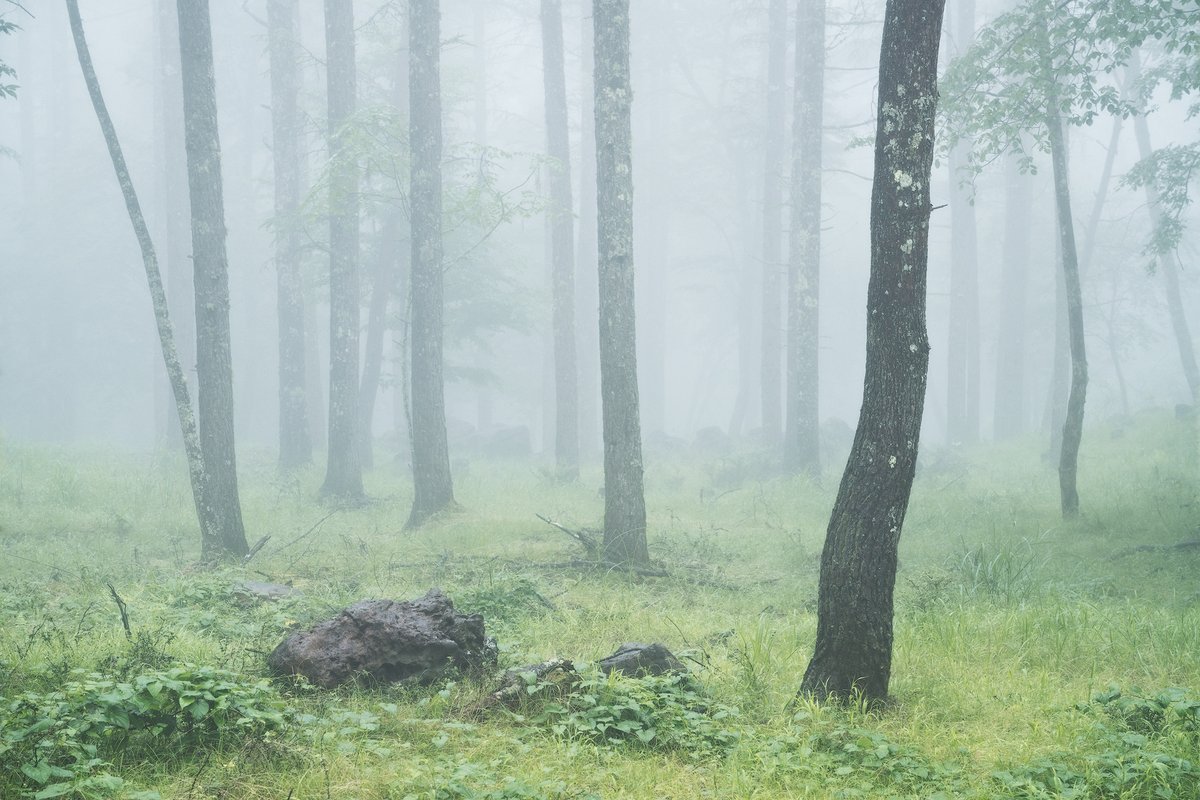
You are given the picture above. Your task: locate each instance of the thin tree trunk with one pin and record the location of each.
(433, 488)
(772, 257)
(801, 444)
(1179, 323)
(853, 650)
(624, 499)
(384, 284)
(212, 541)
(295, 446)
(587, 280)
(562, 244)
(214, 365)
(1056, 402)
(962, 348)
(1072, 435)
(1008, 418)
(343, 475)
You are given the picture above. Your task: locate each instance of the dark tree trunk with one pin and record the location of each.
(295, 446)
(1008, 418)
(562, 244)
(587, 281)
(343, 474)
(962, 347)
(213, 543)
(1072, 430)
(173, 194)
(853, 651)
(214, 367)
(772, 200)
(801, 443)
(624, 500)
(433, 489)
(385, 282)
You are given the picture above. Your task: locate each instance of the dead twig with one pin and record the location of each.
(254, 550)
(590, 545)
(122, 608)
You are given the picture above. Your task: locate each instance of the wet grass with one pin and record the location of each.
(1009, 622)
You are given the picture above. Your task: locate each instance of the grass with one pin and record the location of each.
(1009, 622)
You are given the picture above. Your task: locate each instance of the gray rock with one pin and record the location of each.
(260, 591)
(382, 640)
(636, 659)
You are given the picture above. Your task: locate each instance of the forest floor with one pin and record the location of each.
(1033, 657)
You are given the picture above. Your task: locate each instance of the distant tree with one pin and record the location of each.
(587, 283)
(214, 368)
(562, 244)
(962, 344)
(624, 498)
(772, 229)
(853, 651)
(1008, 419)
(212, 537)
(343, 475)
(433, 488)
(801, 442)
(295, 446)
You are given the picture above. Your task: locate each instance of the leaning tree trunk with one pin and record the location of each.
(433, 489)
(853, 651)
(1072, 430)
(295, 446)
(211, 539)
(562, 244)
(1008, 418)
(772, 199)
(1179, 323)
(624, 500)
(214, 367)
(801, 442)
(343, 474)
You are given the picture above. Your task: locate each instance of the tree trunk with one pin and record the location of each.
(801, 444)
(433, 488)
(587, 280)
(343, 474)
(1072, 431)
(1008, 418)
(213, 542)
(624, 500)
(562, 244)
(962, 348)
(295, 446)
(385, 282)
(853, 651)
(1179, 323)
(772, 281)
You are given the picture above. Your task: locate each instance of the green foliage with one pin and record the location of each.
(1169, 170)
(7, 89)
(503, 600)
(660, 712)
(59, 743)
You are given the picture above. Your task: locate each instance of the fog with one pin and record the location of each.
(79, 358)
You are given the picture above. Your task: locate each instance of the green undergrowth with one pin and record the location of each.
(1021, 640)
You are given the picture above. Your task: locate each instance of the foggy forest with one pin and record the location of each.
(580, 399)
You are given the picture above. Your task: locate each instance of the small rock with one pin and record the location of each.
(249, 592)
(637, 659)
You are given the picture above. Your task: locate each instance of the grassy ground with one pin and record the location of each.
(1009, 624)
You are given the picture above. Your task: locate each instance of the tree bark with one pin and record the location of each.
(433, 488)
(1008, 420)
(562, 245)
(1072, 430)
(801, 443)
(343, 474)
(853, 650)
(295, 446)
(624, 499)
(587, 279)
(772, 199)
(213, 543)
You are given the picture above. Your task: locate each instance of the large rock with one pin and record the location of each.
(636, 659)
(382, 640)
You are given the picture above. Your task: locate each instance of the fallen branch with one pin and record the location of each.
(257, 546)
(590, 545)
(122, 608)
